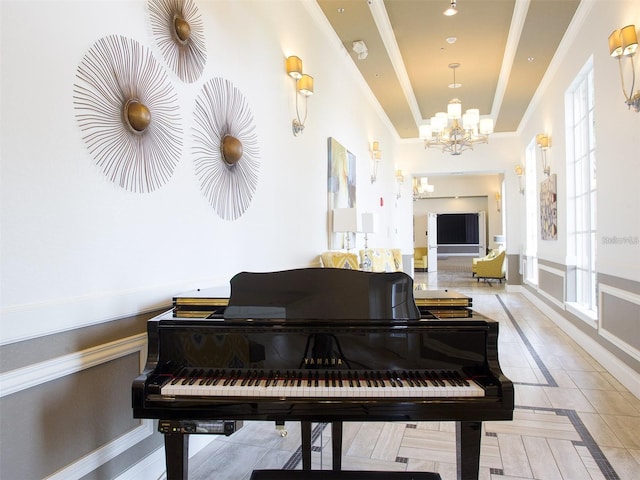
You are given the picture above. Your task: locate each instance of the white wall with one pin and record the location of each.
(77, 249)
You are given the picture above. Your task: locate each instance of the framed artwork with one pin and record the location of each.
(549, 208)
(341, 187)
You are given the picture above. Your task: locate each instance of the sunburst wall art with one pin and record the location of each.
(179, 32)
(225, 148)
(126, 108)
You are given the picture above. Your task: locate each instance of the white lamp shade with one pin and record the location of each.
(436, 125)
(486, 126)
(498, 239)
(474, 114)
(369, 222)
(454, 109)
(425, 132)
(468, 122)
(346, 220)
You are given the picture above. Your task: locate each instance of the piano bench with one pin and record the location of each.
(340, 475)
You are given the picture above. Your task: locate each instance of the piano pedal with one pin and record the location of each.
(280, 428)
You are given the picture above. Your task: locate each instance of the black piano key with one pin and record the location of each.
(207, 379)
(406, 378)
(180, 376)
(316, 379)
(397, 378)
(447, 375)
(438, 379)
(234, 377)
(229, 378)
(461, 379)
(380, 379)
(299, 379)
(391, 379)
(193, 377)
(258, 378)
(349, 378)
(340, 379)
(420, 378)
(356, 377)
(366, 378)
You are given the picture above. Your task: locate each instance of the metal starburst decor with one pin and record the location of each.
(126, 108)
(178, 28)
(225, 148)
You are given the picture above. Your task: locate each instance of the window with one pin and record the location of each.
(531, 206)
(581, 191)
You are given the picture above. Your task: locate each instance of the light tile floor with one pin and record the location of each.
(572, 420)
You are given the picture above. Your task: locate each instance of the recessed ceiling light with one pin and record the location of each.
(452, 40)
(451, 10)
(530, 59)
(341, 10)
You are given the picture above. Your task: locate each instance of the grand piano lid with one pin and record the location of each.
(324, 293)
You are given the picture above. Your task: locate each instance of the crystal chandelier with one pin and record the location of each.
(464, 131)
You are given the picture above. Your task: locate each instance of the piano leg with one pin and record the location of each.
(305, 431)
(176, 453)
(336, 444)
(468, 437)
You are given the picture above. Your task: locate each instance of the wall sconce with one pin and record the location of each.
(347, 221)
(544, 142)
(376, 155)
(623, 42)
(399, 181)
(369, 225)
(422, 188)
(520, 174)
(303, 86)
(498, 201)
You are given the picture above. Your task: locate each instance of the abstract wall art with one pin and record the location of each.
(226, 152)
(549, 208)
(341, 187)
(127, 111)
(179, 32)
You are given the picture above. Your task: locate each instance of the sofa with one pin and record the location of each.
(381, 260)
(369, 260)
(420, 258)
(490, 268)
(339, 259)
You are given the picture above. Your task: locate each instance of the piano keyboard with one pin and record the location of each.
(320, 384)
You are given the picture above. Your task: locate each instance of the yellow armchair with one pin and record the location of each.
(420, 258)
(492, 268)
(492, 254)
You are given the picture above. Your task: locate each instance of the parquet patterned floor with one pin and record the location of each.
(572, 420)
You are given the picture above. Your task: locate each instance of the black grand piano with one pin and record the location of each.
(321, 345)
